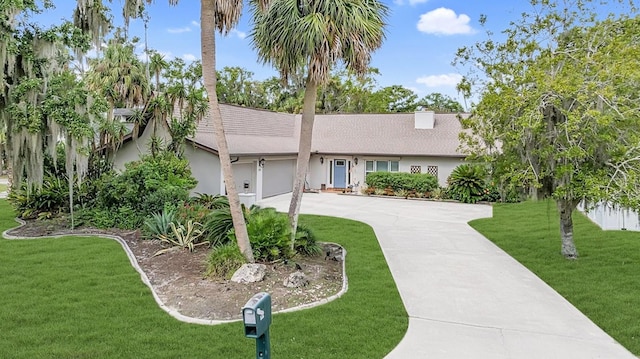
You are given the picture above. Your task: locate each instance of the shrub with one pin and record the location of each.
(269, 234)
(51, 199)
(467, 183)
(146, 186)
(122, 217)
(224, 260)
(439, 193)
(399, 181)
(194, 211)
(306, 243)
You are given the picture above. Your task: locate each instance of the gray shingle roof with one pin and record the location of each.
(385, 134)
(253, 131)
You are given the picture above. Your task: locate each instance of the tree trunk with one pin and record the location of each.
(208, 43)
(566, 207)
(304, 153)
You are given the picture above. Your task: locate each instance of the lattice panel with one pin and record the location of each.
(432, 170)
(416, 169)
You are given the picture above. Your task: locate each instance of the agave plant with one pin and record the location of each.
(182, 237)
(160, 223)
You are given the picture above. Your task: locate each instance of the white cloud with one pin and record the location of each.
(448, 80)
(443, 21)
(239, 34)
(189, 57)
(195, 23)
(178, 30)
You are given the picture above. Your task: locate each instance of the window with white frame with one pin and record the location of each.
(382, 166)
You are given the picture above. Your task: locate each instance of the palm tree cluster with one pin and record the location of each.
(313, 35)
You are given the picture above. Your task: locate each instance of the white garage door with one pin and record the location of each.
(277, 177)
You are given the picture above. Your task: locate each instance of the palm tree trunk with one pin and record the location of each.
(566, 207)
(208, 44)
(304, 153)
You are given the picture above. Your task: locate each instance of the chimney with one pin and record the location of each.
(424, 119)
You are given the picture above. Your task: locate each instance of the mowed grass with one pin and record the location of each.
(79, 297)
(604, 283)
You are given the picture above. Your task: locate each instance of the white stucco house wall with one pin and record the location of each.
(345, 147)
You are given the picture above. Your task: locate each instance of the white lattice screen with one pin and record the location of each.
(432, 170)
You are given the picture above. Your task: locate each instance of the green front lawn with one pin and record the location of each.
(80, 298)
(603, 283)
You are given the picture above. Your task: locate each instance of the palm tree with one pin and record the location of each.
(157, 63)
(316, 34)
(220, 15)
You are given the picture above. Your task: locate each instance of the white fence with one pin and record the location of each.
(612, 217)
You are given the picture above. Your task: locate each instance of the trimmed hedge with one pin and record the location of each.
(402, 181)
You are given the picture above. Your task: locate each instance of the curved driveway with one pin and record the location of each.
(465, 297)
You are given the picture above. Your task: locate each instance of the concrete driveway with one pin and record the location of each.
(465, 297)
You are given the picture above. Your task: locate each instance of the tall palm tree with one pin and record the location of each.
(157, 63)
(316, 34)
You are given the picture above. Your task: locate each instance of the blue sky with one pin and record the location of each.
(422, 37)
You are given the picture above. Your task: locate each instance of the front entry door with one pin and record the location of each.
(340, 174)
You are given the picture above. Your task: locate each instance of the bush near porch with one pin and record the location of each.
(399, 181)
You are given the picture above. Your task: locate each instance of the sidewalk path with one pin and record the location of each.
(465, 297)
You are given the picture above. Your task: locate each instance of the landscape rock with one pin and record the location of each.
(249, 273)
(296, 279)
(333, 253)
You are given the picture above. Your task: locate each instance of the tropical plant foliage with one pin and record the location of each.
(292, 34)
(159, 224)
(467, 183)
(270, 235)
(185, 236)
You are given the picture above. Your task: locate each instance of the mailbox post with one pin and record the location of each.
(256, 315)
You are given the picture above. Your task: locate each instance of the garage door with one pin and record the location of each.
(277, 177)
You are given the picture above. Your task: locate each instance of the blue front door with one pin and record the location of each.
(340, 174)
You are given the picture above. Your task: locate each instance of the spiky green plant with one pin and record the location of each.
(182, 237)
(159, 223)
(467, 183)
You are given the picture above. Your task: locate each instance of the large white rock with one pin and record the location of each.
(249, 273)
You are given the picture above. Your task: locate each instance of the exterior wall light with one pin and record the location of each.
(321, 160)
(261, 163)
(355, 161)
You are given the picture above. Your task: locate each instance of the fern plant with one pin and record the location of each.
(182, 237)
(467, 183)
